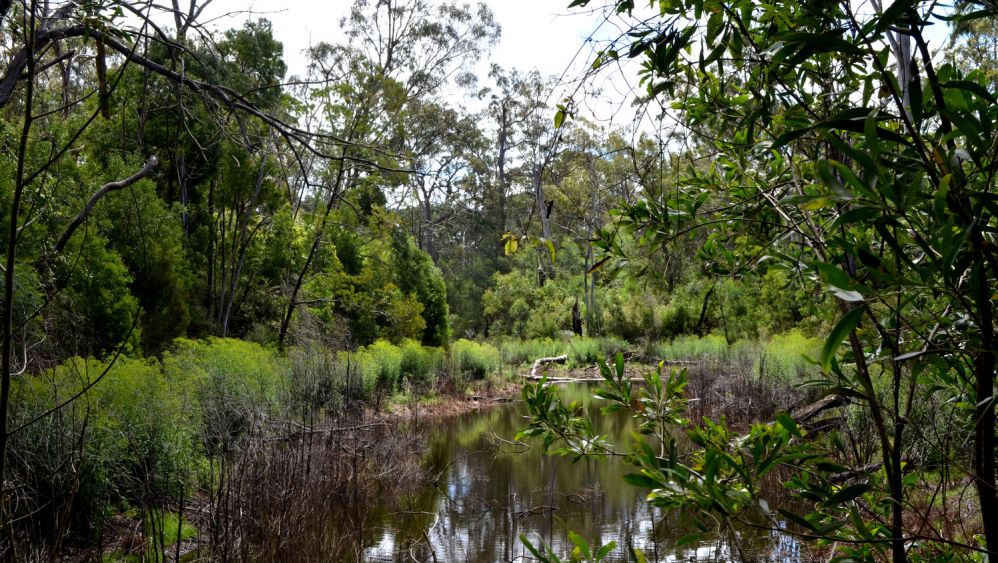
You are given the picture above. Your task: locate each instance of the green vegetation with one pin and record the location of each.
(207, 263)
(827, 166)
(472, 361)
(154, 426)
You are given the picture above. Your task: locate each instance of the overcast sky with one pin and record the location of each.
(536, 34)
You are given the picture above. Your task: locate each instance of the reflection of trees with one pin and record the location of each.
(475, 511)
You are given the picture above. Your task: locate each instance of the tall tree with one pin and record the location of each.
(396, 55)
(839, 146)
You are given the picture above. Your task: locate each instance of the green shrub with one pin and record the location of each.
(237, 384)
(130, 439)
(380, 367)
(473, 361)
(542, 324)
(419, 363)
(416, 273)
(783, 360)
(584, 351)
(523, 352)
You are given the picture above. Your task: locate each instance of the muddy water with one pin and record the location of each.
(490, 491)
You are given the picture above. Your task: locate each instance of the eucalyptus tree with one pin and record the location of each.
(397, 54)
(63, 66)
(973, 44)
(841, 150)
(526, 145)
(441, 142)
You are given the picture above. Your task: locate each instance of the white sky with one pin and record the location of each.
(536, 34)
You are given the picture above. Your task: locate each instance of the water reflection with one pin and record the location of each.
(489, 491)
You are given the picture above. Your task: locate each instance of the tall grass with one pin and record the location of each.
(786, 359)
(148, 431)
(711, 348)
(472, 360)
(586, 351)
(746, 380)
(523, 352)
(581, 350)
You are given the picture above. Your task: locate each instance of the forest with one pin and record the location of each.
(412, 305)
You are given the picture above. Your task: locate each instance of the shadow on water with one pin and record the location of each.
(489, 490)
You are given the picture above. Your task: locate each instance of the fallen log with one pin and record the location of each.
(866, 470)
(534, 511)
(545, 361)
(824, 424)
(654, 360)
(563, 379)
(808, 412)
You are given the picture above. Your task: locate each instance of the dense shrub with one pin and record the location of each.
(380, 367)
(236, 384)
(130, 439)
(145, 432)
(419, 364)
(472, 360)
(419, 276)
(520, 352)
(313, 383)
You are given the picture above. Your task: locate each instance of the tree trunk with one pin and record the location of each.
(8, 274)
(243, 241)
(984, 419)
(544, 210)
(426, 233)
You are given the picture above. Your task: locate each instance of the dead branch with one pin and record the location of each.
(544, 361)
(105, 189)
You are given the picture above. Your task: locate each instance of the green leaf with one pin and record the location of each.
(598, 265)
(893, 14)
(788, 137)
(639, 480)
(846, 324)
(530, 547)
(605, 550)
(802, 522)
(973, 88)
(580, 543)
(848, 493)
(833, 275)
(687, 540)
(559, 118)
(787, 422)
(858, 215)
(850, 295)
(551, 250)
(511, 244)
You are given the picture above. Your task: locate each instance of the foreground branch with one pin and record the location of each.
(106, 189)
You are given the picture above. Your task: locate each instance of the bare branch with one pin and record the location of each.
(105, 189)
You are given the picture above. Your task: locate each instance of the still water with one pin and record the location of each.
(490, 490)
